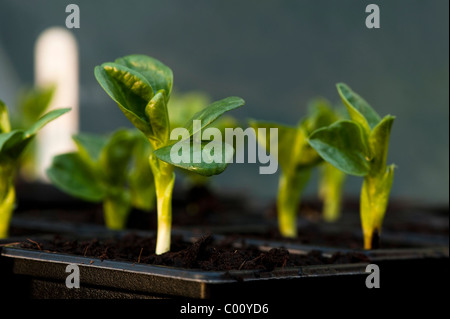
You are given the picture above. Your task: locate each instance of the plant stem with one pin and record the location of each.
(288, 200)
(6, 210)
(367, 211)
(164, 182)
(374, 200)
(330, 191)
(116, 210)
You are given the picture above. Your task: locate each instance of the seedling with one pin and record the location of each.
(100, 172)
(141, 86)
(12, 145)
(297, 159)
(359, 146)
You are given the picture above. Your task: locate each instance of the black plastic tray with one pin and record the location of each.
(42, 274)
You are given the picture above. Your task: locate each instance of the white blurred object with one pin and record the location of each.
(56, 63)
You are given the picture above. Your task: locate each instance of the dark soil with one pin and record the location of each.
(205, 253)
(201, 209)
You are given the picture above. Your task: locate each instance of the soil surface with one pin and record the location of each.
(204, 253)
(202, 210)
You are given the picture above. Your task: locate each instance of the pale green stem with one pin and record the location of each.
(288, 200)
(6, 210)
(164, 182)
(374, 200)
(116, 210)
(330, 192)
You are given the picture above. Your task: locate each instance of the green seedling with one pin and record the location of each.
(32, 103)
(12, 145)
(359, 147)
(297, 159)
(141, 86)
(100, 172)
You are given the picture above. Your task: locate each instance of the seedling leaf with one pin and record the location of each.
(205, 153)
(155, 72)
(32, 104)
(360, 111)
(89, 145)
(70, 173)
(379, 144)
(156, 111)
(342, 144)
(10, 140)
(212, 112)
(130, 90)
(44, 120)
(12, 144)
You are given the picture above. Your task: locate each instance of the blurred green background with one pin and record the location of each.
(277, 55)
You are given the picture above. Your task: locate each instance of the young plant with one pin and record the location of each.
(100, 172)
(359, 147)
(141, 86)
(12, 145)
(297, 159)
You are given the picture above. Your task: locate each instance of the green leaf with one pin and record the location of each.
(33, 103)
(299, 154)
(44, 120)
(90, 145)
(343, 145)
(294, 151)
(212, 112)
(306, 156)
(379, 144)
(5, 126)
(12, 145)
(130, 90)
(320, 114)
(155, 72)
(76, 177)
(156, 111)
(10, 140)
(198, 159)
(360, 111)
